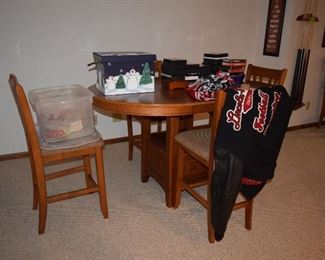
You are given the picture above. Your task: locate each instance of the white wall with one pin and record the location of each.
(49, 42)
(314, 86)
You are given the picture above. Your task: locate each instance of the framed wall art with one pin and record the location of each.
(274, 26)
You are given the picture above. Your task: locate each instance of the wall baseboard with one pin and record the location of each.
(12, 156)
(297, 127)
(19, 155)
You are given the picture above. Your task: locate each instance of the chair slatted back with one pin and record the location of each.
(217, 113)
(256, 76)
(158, 68)
(25, 116)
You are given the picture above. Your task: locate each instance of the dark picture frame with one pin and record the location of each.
(274, 24)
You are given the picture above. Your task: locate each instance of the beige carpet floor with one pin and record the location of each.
(288, 216)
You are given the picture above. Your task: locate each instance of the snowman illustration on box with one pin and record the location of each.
(130, 82)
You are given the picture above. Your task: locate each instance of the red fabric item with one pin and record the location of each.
(203, 89)
(248, 181)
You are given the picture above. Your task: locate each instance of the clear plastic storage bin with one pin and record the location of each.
(63, 112)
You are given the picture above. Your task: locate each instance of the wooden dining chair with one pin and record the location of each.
(136, 141)
(40, 158)
(259, 76)
(199, 145)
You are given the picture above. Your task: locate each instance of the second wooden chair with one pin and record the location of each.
(199, 144)
(40, 158)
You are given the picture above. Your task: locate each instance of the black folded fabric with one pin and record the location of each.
(225, 185)
(251, 130)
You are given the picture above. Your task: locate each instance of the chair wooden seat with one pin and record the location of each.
(40, 158)
(198, 141)
(52, 155)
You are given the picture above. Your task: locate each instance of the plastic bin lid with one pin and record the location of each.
(58, 94)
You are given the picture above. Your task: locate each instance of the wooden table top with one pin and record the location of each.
(162, 102)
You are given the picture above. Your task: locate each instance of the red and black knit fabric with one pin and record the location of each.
(204, 88)
(249, 139)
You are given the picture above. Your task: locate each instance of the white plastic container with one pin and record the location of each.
(63, 112)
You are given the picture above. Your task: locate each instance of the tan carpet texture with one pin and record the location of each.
(288, 215)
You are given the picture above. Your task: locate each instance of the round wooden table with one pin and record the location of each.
(158, 150)
(162, 102)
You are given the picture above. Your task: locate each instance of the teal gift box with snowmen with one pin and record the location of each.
(124, 72)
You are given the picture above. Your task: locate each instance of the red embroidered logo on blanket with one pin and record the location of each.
(259, 122)
(274, 105)
(244, 103)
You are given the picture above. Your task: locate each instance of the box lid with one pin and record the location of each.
(174, 62)
(58, 94)
(215, 54)
(126, 56)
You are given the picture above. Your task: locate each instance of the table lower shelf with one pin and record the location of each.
(195, 173)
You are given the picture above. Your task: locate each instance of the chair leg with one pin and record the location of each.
(42, 211)
(42, 217)
(101, 182)
(211, 236)
(87, 166)
(35, 196)
(130, 136)
(179, 176)
(248, 215)
(35, 189)
(210, 118)
(211, 232)
(159, 126)
(322, 114)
